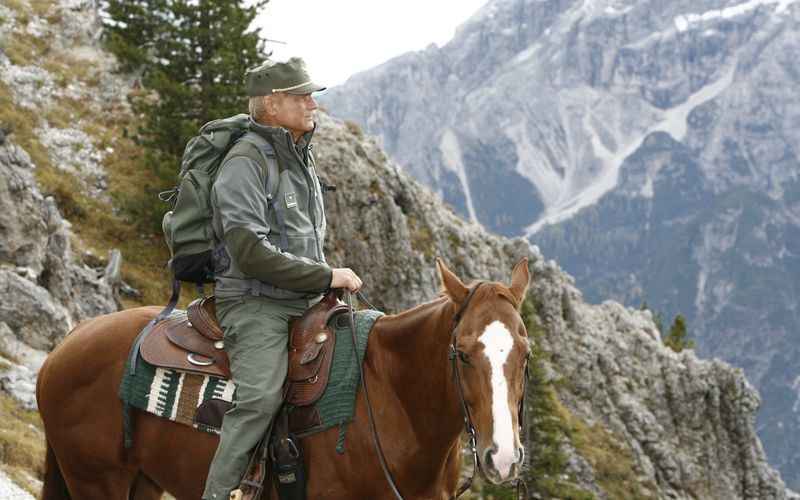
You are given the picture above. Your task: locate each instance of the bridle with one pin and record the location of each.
(470, 429)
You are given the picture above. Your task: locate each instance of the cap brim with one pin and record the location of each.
(307, 89)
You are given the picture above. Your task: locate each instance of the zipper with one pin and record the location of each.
(312, 198)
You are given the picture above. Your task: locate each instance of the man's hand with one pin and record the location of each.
(345, 278)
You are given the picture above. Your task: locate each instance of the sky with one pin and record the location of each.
(339, 38)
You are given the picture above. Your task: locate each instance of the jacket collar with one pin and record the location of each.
(279, 135)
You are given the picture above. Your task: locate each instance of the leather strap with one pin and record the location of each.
(173, 301)
(464, 410)
(375, 439)
(472, 441)
(467, 419)
(457, 315)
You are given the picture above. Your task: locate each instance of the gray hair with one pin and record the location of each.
(257, 107)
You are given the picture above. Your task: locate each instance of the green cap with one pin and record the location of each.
(279, 76)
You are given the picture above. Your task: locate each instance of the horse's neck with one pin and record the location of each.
(412, 356)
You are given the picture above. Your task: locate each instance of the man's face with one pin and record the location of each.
(295, 113)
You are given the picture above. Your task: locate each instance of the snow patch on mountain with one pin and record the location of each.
(688, 21)
(451, 155)
(672, 121)
(796, 386)
(536, 167)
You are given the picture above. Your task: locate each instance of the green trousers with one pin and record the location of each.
(256, 340)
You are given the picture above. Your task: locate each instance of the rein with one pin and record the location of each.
(375, 439)
(455, 373)
(470, 429)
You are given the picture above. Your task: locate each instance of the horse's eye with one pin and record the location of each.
(462, 356)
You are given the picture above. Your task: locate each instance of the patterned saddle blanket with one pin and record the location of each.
(324, 377)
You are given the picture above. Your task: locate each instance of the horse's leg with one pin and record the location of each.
(145, 488)
(53, 487)
(173, 455)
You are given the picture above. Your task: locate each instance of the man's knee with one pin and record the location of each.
(262, 401)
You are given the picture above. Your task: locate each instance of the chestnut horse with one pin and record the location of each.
(408, 368)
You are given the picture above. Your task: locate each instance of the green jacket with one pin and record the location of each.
(247, 227)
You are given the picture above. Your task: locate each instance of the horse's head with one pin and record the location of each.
(491, 351)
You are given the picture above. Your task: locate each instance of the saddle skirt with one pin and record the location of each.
(195, 343)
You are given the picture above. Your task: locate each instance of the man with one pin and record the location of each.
(266, 279)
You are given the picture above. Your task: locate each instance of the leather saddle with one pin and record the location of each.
(190, 343)
(195, 343)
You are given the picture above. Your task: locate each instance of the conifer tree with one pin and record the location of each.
(190, 56)
(676, 338)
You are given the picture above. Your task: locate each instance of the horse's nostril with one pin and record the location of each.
(488, 460)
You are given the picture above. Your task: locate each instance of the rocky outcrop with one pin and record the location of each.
(687, 422)
(390, 229)
(650, 147)
(46, 287)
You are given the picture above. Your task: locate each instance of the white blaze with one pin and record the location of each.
(497, 342)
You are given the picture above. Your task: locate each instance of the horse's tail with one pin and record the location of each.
(54, 487)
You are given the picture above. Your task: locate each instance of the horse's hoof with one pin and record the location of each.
(236, 495)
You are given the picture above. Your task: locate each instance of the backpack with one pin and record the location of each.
(188, 226)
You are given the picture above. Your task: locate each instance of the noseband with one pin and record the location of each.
(470, 429)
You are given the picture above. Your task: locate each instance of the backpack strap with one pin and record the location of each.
(273, 175)
(273, 180)
(272, 185)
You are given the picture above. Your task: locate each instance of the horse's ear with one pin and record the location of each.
(520, 279)
(453, 286)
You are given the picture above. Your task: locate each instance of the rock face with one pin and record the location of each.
(688, 423)
(685, 423)
(390, 230)
(680, 416)
(649, 147)
(46, 287)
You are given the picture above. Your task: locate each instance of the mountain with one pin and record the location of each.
(612, 412)
(650, 147)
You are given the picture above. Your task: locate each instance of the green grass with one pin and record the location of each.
(610, 458)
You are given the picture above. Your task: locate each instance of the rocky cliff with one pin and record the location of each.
(677, 418)
(648, 146)
(47, 286)
(637, 420)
